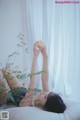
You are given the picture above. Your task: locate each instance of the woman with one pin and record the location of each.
(48, 101)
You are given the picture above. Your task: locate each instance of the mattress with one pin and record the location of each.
(32, 113)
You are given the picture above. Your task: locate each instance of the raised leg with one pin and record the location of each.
(11, 79)
(4, 89)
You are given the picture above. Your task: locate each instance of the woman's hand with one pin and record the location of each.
(36, 50)
(42, 48)
(38, 47)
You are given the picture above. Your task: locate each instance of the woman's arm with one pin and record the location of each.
(36, 52)
(45, 74)
(27, 100)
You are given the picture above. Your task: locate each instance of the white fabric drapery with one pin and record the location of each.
(59, 27)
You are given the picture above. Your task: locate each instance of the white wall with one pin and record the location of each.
(11, 24)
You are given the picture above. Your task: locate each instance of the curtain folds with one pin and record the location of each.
(59, 27)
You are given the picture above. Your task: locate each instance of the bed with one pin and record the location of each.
(32, 113)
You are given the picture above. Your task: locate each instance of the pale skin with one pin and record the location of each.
(44, 77)
(39, 47)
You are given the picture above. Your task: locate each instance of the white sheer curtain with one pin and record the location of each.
(59, 27)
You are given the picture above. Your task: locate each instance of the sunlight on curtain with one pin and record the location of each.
(59, 27)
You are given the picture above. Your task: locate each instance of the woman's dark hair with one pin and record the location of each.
(54, 103)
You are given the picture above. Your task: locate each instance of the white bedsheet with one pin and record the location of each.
(32, 113)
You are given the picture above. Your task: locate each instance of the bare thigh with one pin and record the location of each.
(11, 79)
(4, 89)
